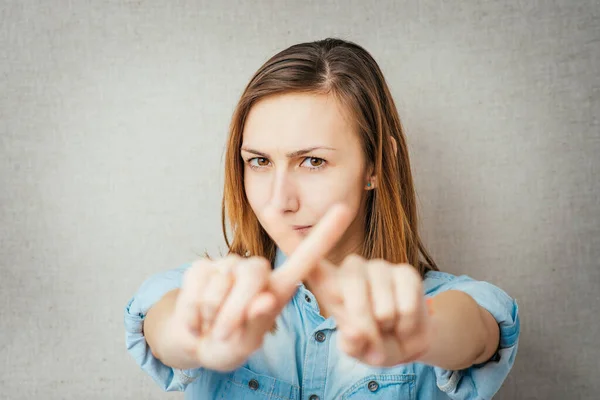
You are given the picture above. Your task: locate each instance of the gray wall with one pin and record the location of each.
(113, 118)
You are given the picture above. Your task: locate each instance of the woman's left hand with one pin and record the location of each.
(382, 316)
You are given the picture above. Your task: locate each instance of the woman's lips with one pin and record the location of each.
(302, 228)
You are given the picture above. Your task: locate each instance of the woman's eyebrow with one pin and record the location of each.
(293, 154)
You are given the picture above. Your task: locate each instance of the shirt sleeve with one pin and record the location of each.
(481, 381)
(150, 292)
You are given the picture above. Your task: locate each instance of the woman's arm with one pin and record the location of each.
(464, 333)
(154, 330)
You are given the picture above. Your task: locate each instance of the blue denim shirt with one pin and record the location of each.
(301, 359)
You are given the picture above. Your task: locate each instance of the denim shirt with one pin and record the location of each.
(301, 359)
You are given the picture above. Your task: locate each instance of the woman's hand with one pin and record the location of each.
(225, 307)
(219, 290)
(380, 309)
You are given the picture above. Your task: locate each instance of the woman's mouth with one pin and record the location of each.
(302, 229)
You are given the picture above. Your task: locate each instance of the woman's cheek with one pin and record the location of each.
(347, 189)
(257, 190)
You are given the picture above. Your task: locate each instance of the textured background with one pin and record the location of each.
(113, 117)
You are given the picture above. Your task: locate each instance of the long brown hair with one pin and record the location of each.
(348, 72)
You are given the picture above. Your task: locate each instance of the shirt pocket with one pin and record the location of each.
(382, 386)
(244, 384)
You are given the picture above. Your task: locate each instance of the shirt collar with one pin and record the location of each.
(280, 258)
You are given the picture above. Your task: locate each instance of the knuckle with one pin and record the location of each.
(355, 283)
(197, 269)
(233, 256)
(227, 263)
(408, 278)
(353, 279)
(379, 271)
(352, 260)
(379, 263)
(230, 260)
(220, 285)
(260, 263)
(384, 315)
(407, 271)
(254, 268)
(408, 308)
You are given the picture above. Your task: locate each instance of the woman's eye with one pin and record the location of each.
(263, 162)
(257, 162)
(313, 162)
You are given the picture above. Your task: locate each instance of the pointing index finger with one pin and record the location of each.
(310, 251)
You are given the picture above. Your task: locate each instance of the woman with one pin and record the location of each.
(327, 291)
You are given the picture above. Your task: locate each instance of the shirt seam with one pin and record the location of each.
(270, 394)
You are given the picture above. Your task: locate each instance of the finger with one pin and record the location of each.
(382, 295)
(261, 319)
(396, 352)
(314, 247)
(216, 290)
(407, 349)
(251, 278)
(261, 305)
(390, 350)
(385, 281)
(188, 305)
(363, 331)
(410, 301)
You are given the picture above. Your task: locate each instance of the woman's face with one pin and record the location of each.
(302, 156)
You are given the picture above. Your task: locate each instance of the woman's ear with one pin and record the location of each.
(372, 179)
(371, 183)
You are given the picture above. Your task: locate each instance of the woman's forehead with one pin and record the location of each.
(296, 120)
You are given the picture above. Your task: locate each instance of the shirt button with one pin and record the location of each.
(373, 386)
(320, 337)
(307, 298)
(313, 397)
(253, 384)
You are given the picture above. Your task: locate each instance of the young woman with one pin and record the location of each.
(327, 291)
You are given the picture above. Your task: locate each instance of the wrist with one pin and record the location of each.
(456, 332)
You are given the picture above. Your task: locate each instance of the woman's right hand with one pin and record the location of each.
(221, 290)
(225, 307)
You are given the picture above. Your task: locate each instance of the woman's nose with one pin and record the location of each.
(284, 196)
